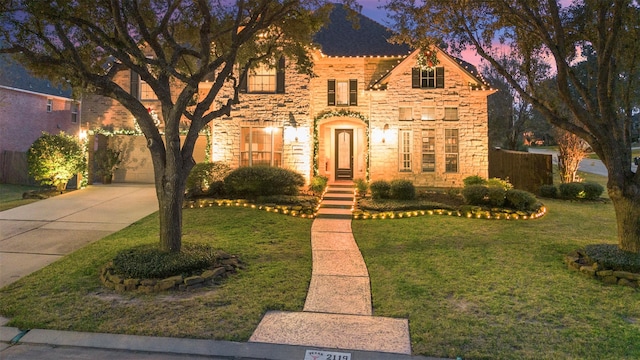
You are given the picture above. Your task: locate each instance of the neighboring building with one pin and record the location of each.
(29, 106)
(370, 112)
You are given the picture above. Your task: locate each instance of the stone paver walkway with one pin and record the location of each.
(337, 312)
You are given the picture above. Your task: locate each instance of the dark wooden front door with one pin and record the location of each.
(344, 154)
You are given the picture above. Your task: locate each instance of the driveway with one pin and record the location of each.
(34, 235)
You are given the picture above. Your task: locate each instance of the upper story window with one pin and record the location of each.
(405, 113)
(49, 105)
(451, 113)
(264, 79)
(431, 78)
(342, 92)
(428, 113)
(146, 92)
(140, 89)
(74, 112)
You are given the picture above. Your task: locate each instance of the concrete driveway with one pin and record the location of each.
(35, 235)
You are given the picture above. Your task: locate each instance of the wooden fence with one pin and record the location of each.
(14, 169)
(526, 171)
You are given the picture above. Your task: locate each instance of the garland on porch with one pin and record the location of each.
(427, 59)
(316, 141)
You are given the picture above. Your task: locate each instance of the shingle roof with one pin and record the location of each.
(339, 38)
(14, 75)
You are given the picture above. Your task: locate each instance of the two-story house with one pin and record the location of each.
(375, 110)
(28, 107)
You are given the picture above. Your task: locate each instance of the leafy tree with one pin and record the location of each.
(173, 45)
(571, 150)
(54, 159)
(547, 38)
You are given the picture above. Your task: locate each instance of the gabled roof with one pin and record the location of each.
(339, 38)
(14, 75)
(469, 69)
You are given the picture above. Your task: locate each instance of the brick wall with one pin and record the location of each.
(24, 116)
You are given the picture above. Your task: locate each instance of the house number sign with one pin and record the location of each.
(326, 355)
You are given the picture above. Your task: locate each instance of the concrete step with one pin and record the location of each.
(354, 332)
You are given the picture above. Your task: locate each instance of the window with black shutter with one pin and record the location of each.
(331, 92)
(430, 78)
(342, 92)
(134, 85)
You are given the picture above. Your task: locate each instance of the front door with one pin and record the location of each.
(344, 154)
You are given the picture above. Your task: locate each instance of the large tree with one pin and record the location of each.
(547, 32)
(173, 45)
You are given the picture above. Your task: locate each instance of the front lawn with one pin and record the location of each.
(497, 289)
(11, 195)
(275, 249)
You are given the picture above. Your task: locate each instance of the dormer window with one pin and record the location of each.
(429, 78)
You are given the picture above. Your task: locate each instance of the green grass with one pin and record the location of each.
(276, 250)
(484, 289)
(11, 195)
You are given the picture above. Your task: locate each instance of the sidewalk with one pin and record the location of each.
(338, 311)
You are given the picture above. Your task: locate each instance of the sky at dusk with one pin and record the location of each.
(371, 9)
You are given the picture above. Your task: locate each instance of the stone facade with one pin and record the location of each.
(305, 127)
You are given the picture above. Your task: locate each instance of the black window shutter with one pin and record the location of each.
(353, 92)
(243, 82)
(331, 92)
(415, 77)
(134, 86)
(439, 77)
(280, 76)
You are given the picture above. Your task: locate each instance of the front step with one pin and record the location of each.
(333, 331)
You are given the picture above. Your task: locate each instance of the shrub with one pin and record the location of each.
(497, 182)
(149, 262)
(496, 195)
(54, 159)
(609, 256)
(253, 181)
(402, 190)
(380, 189)
(361, 186)
(520, 200)
(207, 178)
(572, 190)
(592, 190)
(475, 194)
(548, 191)
(474, 180)
(318, 184)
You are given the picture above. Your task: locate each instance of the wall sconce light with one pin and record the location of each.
(385, 129)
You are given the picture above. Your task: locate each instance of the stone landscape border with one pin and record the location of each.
(577, 261)
(225, 267)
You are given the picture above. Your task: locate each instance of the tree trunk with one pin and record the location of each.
(627, 210)
(170, 193)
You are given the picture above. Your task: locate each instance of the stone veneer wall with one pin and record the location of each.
(305, 98)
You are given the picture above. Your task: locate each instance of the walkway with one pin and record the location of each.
(337, 312)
